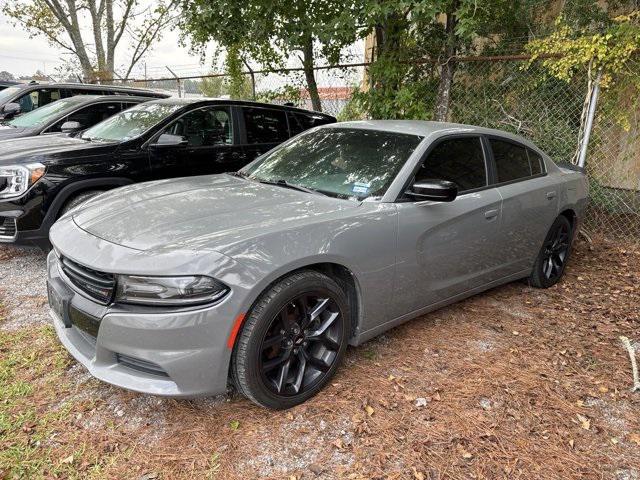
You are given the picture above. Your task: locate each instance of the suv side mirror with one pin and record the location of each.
(434, 189)
(70, 127)
(11, 110)
(169, 140)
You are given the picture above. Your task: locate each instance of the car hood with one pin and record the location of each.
(33, 148)
(7, 131)
(214, 212)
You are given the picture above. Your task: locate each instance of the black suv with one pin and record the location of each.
(68, 115)
(24, 97)
(43, 177)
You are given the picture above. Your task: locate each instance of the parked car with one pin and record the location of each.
(68, 115)
(6, 83)
(335, 236)
(42, 177)
(25, 97)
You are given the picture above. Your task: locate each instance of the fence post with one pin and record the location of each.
(177, 81)
(593, 101)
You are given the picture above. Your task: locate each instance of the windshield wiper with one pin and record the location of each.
(293, 186)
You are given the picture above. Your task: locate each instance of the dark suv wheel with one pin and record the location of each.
(554, 254)
(293, 340)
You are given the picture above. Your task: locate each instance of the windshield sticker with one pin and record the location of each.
(360, 187)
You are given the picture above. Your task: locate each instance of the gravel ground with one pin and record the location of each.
(23, 286)
(514, 383)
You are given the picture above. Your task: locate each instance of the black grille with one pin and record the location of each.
(7, 227)
(140, 365)
(97, 285)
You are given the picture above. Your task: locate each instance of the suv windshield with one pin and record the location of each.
(44, 114)
(131, 123)
(341, 162)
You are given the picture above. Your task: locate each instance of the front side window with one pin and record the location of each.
(341, 162)
(459, 160)
(43, 115)
(265, 126)
(88, 116)
(204, 127)
(512, 161)
(131, 123)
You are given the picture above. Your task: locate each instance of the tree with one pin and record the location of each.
(6, 76)
(269, 31)
(92, 30)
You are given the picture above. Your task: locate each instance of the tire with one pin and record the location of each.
(554, 254)
(266, 363)
(78, 200)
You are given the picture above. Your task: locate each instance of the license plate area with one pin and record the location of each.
(59, 299)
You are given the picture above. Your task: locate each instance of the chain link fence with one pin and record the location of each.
(507, 93)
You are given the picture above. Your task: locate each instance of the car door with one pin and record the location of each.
(263, 129)
(448, 248)
(529, 202)
(209, 146)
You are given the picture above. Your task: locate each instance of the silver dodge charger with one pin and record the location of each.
(261, 278)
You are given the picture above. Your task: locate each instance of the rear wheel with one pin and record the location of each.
(292, 342)
(554, 254)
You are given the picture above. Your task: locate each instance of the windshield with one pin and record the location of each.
(341, 162)
(131, 123)
(8, 92)
(44, 114)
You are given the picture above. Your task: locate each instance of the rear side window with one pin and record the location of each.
(265, 126)
(512, 161)
(299, 122)
(38, 98)
(458, 160)
(536, 162)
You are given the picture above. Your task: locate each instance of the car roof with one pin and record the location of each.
(112, 98)
(227, 101)
(426, 128)
(91, 86)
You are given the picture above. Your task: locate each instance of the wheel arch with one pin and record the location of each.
(570, 214)
(334, 269)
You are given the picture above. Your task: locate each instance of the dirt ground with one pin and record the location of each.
(515, 383)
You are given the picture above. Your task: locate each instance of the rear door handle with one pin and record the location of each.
(551, 195)
(489, 214)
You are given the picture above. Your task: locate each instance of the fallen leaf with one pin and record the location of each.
(68, 459)
(234, 424)
(418, 475)
(369, 409)
(584, 422)
(635, 438)
(338, 443)
(571, 443)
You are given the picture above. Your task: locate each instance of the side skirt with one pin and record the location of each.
(372, 332)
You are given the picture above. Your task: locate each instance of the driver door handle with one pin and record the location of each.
(490, 214)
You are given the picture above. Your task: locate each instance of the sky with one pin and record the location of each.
(22, 55)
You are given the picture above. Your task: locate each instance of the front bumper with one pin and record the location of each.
(169, 353)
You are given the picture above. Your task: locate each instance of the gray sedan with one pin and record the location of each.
(262, 277)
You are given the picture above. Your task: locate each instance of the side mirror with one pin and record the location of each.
(11, 110)
(434, 190)
(168, 140)
(70, 127)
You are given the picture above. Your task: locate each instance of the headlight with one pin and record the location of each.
(175, 291)
(16, 179)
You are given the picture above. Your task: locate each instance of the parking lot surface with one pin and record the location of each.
(512, 383)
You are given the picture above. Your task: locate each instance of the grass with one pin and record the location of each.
(37, 437)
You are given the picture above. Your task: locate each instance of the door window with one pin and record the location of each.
(459, 160)
(204, 127)
(88, 116)
(265, 126)
(512, 161)
(37, 98)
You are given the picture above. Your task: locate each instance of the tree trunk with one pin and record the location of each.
(307, 64)
(447, 72)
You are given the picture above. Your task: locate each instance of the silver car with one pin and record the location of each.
(261, 278)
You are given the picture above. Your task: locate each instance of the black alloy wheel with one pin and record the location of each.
(293, 340)
(301, 343)
(553, 255)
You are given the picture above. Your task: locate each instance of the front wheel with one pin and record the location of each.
(554, 254)
(293, 341)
